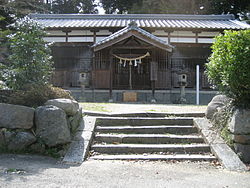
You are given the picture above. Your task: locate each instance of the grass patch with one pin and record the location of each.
(99, 107)
(125, 108)
(15, 171)
(226, 135)
(152, 110)
(220, 122)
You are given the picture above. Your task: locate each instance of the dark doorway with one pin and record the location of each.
(140, 74)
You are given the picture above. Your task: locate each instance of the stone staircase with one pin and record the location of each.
(144, 138)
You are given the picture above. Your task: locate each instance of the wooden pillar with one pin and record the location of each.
(153, 90)
(93, 77)
(170, 68)
(67, 36)
(169, 38)
(111, 75)
(196, 37)
(94, 36)
(168, 31)
(130, 77)
(153, 75)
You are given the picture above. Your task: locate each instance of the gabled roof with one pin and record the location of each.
(132, 30)
(164, 21)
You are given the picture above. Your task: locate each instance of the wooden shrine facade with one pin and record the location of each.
(131, 59)
(107, 49)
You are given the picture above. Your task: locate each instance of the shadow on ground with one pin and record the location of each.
(20, 166)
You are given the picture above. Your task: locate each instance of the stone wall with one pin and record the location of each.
(237, 122)
(239, 126)
(38, 130)
(143, 96)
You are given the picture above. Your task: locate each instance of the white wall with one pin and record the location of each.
(87, 36)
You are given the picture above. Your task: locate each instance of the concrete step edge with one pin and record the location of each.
(143, 114)
(149, 145)
(144, 121)
(149, 136)
(145, 127)
(192, 157)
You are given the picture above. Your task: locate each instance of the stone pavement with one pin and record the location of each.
(39, 171)
(36, 171)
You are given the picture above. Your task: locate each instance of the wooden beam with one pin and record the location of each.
(112, 42)
(137, 35)
(154, 43)
(133, 47)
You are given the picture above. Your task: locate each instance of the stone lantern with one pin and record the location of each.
(182, 81)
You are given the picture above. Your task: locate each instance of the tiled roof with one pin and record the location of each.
(132, 27)
(143, 20)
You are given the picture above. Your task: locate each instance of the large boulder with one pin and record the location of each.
(69, 106)
(240, 122)
(16, 116)
(74, 121)
(51, 125)
(243, 151)
(2, 139)
(38, 148)
(216, 103)
(20, 141)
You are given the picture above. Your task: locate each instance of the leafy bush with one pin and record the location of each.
(4, 95)
(36, 95)
(229, 66)
(30, 60)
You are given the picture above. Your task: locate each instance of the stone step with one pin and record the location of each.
(148, 138)
(193, 157)
(151, 148)
(144, 121)
(157, 129)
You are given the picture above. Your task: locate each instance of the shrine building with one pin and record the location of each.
(144, 54)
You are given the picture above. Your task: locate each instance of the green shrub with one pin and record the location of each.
(30, 60)
(36, 95)
(229, 66)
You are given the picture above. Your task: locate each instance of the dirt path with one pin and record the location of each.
(37, 171)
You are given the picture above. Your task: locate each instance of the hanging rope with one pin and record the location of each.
(132, 61)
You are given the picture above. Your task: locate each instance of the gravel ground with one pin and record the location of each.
(36, 171)
(131, 108)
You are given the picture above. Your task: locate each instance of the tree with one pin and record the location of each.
(235, 7)
(118, 6)
(5, 20)
(73, 6)
(169, 7)
(21, 8)
(229, 65)
(30, 60)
